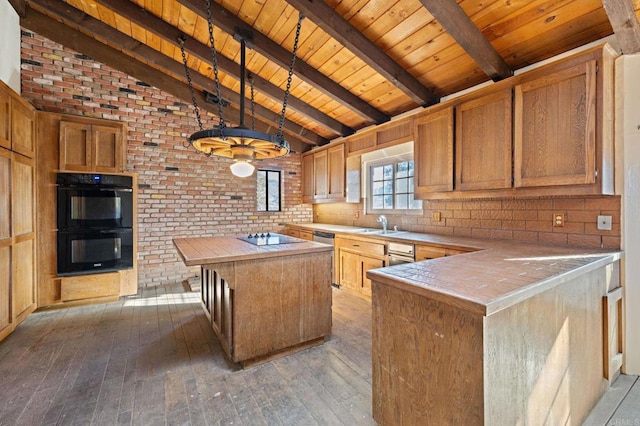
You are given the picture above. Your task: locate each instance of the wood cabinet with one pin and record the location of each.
(264, 306)
(552, 126)
(17, 123)
(433, 152)
(483, 142)
(384, 135)
(308, 175)
(5, 116)
(18, 293)
(354, 258)
(92, 147)
(23, 127)
(426, 252)
(323, 174)
(555, 128)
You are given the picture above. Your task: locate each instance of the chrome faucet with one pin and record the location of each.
(382, 219)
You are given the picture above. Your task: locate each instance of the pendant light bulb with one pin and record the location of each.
(242, 168)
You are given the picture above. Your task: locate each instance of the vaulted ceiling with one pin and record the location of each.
(359, 62)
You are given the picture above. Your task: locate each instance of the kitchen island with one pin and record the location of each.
(514, 333)
(263, 300)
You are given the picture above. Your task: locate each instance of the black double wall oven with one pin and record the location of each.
(95, 223)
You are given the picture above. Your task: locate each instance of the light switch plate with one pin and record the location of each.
(604, 223)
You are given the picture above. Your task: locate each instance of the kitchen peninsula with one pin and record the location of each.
(264, 295)
(512, 334)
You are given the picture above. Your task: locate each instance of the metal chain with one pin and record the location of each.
(215, 68)
(181, 40)
(253, 102)
(290, 77)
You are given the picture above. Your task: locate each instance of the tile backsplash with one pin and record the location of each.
(510, 219)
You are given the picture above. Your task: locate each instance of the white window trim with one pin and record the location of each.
(398, 153)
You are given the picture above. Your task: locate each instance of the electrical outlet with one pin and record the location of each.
(436, 217)
(357, 214)
(604, 223)
(558, 219)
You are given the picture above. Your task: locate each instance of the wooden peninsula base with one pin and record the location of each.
(263, 301)
(523, 346)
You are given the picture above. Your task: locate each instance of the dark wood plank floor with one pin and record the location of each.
(153, 359)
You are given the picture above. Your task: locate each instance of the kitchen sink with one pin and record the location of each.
(380, 232)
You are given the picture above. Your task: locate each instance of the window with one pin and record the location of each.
(392, 186)
(268, 190)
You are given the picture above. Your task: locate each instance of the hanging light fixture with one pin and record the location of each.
(241, 143)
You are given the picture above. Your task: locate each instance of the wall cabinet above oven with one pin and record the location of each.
(92, 145)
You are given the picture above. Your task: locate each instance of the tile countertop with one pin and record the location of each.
(498, 275)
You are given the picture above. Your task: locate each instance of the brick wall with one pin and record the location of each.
(511, 219)
(181, 192)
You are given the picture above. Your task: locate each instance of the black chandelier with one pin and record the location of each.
(241, 143)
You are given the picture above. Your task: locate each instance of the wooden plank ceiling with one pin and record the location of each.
(359, 63)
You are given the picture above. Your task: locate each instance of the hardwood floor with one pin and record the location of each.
(153, 359)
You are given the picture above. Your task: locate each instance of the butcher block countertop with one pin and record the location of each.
(209, 250)
(499, 274)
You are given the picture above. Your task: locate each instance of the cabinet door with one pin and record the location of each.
(307, 178)
(5, 194)
(106, 150)
(75, 146)
(320, 175)
(5, 243)
(350, 270)
(5, 118)
(23, 228)
(23, 128)
(433, 152)
(555, 128)
(336, 171)
(483, 142)
(367, 263)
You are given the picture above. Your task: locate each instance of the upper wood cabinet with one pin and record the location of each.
(384, 135)
(433, 152)
(5, 117)
(17, 123)
(92, 147)
(323, 174)
(555, 128)
(483, 142)
(307, 179)
(23, 127)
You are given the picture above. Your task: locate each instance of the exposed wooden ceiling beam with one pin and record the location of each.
(459, 26)
(74, 39)
(346, 34)
(169, 33)
(228, 22)
(133, 48)
(625, 24)
(19, 6)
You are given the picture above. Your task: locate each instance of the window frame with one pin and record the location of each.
(389, 161)
(266, 190)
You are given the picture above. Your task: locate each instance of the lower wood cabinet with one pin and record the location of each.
(354, 258)
(426, 252)
(17, 240)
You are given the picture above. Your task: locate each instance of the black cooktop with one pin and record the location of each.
(269, 239)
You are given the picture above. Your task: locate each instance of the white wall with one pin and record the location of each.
(9, 46)
(628, 185)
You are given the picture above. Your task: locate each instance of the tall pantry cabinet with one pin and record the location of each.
(17, 210)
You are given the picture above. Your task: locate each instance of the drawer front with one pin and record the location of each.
(429, 252)
(89, 286)
(365, 247)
